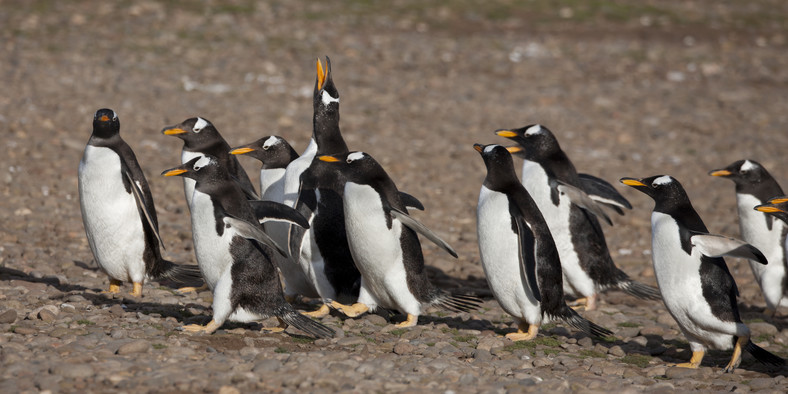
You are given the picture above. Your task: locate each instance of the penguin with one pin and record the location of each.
(234, 253)
(518, 253)
(571, 205)
(385, 246)
(118, 211)
(276, 154)
(696, 286)
(201, 137)
(755, 186)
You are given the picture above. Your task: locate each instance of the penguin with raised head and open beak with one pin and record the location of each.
(754, 187)
(235, 254)
(571, 204)
(118, 211)
(518, 253)
(696, 286)
(385, 246)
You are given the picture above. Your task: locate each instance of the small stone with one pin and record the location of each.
(616, 351)
(376, 319)
(652, 330)
(47, 316)
(351, 341)
(116, 310)
(267, 366)
(585, 342)
(404, 348)
(489, 343)
(229, 390)
(139, 346)
(761, 383)
(71, 370)
(8, 317)
(759, 328)
(681, 373)
(25, 330)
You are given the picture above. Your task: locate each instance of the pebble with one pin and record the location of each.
(71, 370)
(8, 317)
(404, 348)
(139, 346)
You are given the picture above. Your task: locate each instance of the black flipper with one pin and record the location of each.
(305, 324)
(527, 260)
(252, 231)
(414, 225)
(763, 355)
(572, 318)
(457, 302)
(135, 190)
(713, 245)
(410, 201)
(639, 290)
(180, 273)
(583, 200)
(274, 211)
(604, 193)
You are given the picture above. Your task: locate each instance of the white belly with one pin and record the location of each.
(376, 249)
(188, 183)
(109, 213)
(292, 181)
(536, 182)
(770, 242)
(212, 250)
(679, 283)
(499, 250)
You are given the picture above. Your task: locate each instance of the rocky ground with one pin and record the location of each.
(630, 89)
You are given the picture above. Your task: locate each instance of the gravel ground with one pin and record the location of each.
(638, 89)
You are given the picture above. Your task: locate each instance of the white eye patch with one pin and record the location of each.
(489, 148)
(535, 129)
(204, 161)
(748, 165)
(271, 141)
(663, 180)
(114, 116)
(355, 156)
(327, 99)
(201, 123)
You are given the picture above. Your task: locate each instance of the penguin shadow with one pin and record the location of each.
(756, 314)
(9, 274)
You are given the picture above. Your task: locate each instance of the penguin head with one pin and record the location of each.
(498, 160)
(273, 151)
(106, 123)
(664, 189)
(777, 207)
(743, 173)
(199, 168)
(537, 141)
(326, 97)
(357, 167)
(193, 131)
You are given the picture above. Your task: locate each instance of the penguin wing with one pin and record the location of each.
(305, 205)
(254, 232)
(604, 193)
(410, 201)
(144, 207)
(525, 238)
(274, 211)
(583, 200)
(132, 173)
(713, 245)
(414, 225)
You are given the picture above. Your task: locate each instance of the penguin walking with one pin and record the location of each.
(384, 244)
(571, 205)
(755, 186)
(276, 154)
(118, 211)
(234, 253)
(696, 286)
(518, 253)
(200, 137)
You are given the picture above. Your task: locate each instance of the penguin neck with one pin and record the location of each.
(217, 147)
(328, 138)
(97, 139)
(763, 190)
(683, 212)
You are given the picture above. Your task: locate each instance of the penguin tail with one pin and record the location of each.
(306, 324)
(639, 290)
(179, 273)
(763, 355)
(458, 302)
(573, 319)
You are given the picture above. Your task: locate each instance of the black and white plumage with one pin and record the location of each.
(696, 286)
(385, 246)
(118, 211)
(200, 137)
(755, 186)
(518, 253)
(235, 254)
(571, 205)
(275, 154)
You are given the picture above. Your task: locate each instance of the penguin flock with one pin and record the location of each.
(330, 225)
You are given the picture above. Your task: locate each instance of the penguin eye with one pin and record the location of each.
(349, 161)
(265, 147)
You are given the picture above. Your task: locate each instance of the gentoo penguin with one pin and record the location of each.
(234, 253)
(386, 250)
(200, 137)
(694, 280)
(518, 254)
(755, 186)
(276, 154)
(570, 204)
(118, 212)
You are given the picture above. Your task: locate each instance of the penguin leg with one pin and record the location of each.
(137, 291)
(697, 357)
(190, 289)
(114, 286)
(579, 303)
(522, 333)
(207, 329)
(280, 328)
(350, 310)
(322, 311)
(591, 303)
(736, 357)
(410, 321)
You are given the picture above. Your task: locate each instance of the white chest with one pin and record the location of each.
(676, 271)
(293, 173)
(272, 184)
(212, 250)
(188, 183)
(755, 231)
